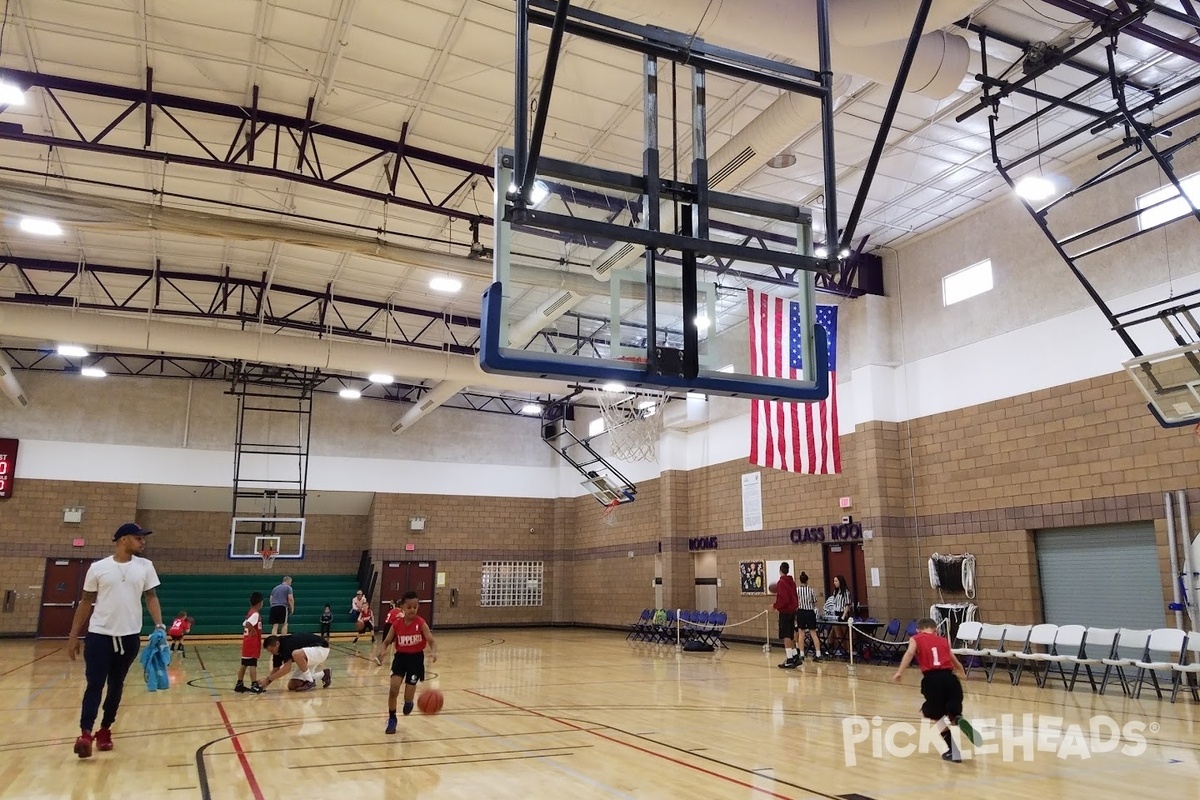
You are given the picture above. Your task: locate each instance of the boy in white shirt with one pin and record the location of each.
(111, 609)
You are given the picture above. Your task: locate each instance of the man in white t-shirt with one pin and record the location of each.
(111, 609)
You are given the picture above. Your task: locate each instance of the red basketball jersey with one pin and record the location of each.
(392, 615)
(252, 635)
(179, 627)
(933, 652)
(409, 638)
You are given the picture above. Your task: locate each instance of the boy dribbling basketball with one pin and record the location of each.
(411, 636)
(940, 673)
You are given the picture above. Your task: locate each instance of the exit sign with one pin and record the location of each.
(844, 502)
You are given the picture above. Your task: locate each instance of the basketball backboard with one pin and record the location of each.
(250, 536)
(1170, 381)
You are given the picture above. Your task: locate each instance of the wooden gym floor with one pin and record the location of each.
(550, 713)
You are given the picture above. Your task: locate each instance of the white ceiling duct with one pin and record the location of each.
(9, 385)
(867, 37)
(156, 336)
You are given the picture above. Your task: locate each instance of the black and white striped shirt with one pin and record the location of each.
(807, 597)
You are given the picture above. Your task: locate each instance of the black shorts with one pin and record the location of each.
(806, 620)
(943, 694)
(410, 666)
(250, 662)
(278, 615)
(787, 626)
(367, 626)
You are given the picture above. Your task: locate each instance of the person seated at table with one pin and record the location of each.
(838, 607)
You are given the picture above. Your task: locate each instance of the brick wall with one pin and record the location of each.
(981, 480)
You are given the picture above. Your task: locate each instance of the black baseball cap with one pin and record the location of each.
(130, 529)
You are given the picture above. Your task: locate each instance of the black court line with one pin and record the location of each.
(180, 788)
(30, 663)
(855, 797)
(454, 755)
(453, 763)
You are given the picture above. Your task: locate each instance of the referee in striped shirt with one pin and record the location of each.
(806, 618)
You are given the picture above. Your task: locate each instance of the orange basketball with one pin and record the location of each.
(430, 702)
(771, 588)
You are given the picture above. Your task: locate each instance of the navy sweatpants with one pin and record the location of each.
(106, 660)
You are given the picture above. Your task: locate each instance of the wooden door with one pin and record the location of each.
(846, 560)
(62, 588)
(399, 577)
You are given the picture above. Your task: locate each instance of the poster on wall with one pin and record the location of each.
(752, 514)
(753, 577)
(772, 570)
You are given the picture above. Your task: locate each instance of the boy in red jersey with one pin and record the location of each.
(179, 628)
(411, 636)
(940, 672)
(251, 645)
(787, 604)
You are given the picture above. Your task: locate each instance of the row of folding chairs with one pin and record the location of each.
(705, 626)
(1054, 649)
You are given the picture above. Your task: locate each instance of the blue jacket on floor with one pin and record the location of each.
(155, 658)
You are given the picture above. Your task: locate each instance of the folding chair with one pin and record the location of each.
(1068, 647)
(1015, 640)
(890, 643)
(987, 645)
(1189, 670)
(637, 629)
(1169, 642)
(1129, 639)
(1040, 636)
(1098, 644)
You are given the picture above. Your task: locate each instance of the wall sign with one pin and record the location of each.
(841, 532)
(702, 543)
(8, 466)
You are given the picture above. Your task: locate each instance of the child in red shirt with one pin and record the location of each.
(411, 636)
(787, 603)
(940, 673)
(251, 646)
(179, 628)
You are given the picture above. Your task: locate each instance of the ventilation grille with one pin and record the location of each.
(736, 163)
(22, 400)
(564, 299)
(611, 262)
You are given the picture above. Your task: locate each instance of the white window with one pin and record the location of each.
(1168, 211)
(511, 583)
(596, 426)
(975, 279)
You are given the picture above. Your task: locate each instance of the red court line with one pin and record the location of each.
(28, 663)
(606, 737)
(251, 781)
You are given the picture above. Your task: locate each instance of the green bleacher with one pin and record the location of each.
(218, 603)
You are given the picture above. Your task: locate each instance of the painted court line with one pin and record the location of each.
(251, 781)
(645, 750)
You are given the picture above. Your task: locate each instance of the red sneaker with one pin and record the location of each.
(83, 745)
(104, 739)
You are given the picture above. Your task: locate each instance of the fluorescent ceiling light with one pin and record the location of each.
(531, 409)
(539, 193)
(1034, 187)
(92, 372)
(821, 252)
(11, 94)
(614, 387)
(380, 377)
(72, 351)
(844, 253)
(702, 322)
(444, 284)
(41, 226)
(350, 394)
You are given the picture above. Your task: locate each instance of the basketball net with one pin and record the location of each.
(268, 557)
(609, 515)
(633, 422)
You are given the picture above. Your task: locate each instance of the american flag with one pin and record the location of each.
(797, 437)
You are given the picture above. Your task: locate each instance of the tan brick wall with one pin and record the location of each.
(981, 480)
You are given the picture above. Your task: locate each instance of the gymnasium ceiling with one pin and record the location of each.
(438, 72)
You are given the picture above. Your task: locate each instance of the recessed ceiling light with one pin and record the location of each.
(380, 377)
(72, 351)
(92, 372)
(350, 394)
(1034, 187)
(531, 408)
(444, 284)
(11, 94)
(782, 161)
(41, 226)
